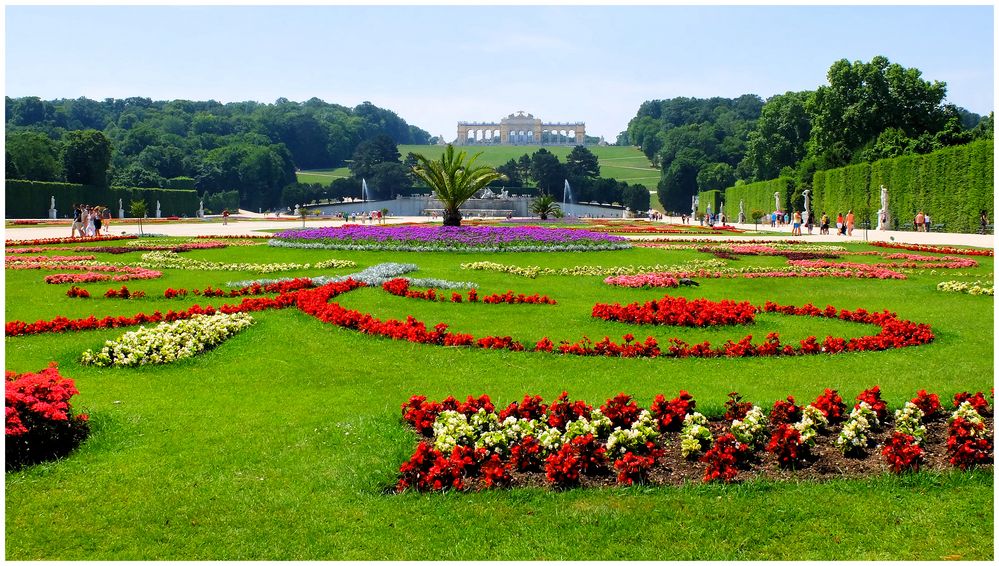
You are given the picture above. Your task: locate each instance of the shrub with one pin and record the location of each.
(735, 408)
(902, 452)
(928, 403)
(40, 423)
(621, 410)
(831, 405)
(77, 292)
(670, 414)
(786, 445)
(785, 412)
(872, 397)
(722, 459)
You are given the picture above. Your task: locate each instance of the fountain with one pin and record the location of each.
(364, 190)
(567, 194)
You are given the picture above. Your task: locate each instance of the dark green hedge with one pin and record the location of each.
(30, 199)
(952, 185)
(757, 196)
(704, 198)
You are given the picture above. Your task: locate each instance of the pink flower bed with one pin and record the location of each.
(643, 280)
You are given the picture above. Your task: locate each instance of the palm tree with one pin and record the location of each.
(545, 205)
(454, 180)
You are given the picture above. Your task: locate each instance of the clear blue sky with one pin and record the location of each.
(437, 65)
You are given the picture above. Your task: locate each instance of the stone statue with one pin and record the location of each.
(119, 205)
(808, 205)
(296, 213)
(52, 209)
(742, 213)
(883, 217)
(693, 206)
(52, 203)
(777, 200)
(158, 214)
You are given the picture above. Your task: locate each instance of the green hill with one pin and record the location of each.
(622, 163)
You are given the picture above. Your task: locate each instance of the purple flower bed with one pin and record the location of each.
(447, 238)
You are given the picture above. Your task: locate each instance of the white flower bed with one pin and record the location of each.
(643, 430)
(374, 276)
(584, 270)
(167, 259)
(812, 422)
(168, 341)
(976, 288)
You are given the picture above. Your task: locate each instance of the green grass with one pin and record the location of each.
(279, 443)
(621, 163)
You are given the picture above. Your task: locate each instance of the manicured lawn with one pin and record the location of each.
(621, 163)
(280, 443)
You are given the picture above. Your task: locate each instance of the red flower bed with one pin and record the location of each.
(42, 259)
(977, 401)
(785, 412)
(785, 444)
(78, 293)
(621, 410)
(123, 293)
(872, 397)
(40, 424)
(400, 287)
(723, 459)
(831, 405)
(929, 403)
(42, 241)
(678, 311)
(670, 414)
(968, 444)
(933, 249)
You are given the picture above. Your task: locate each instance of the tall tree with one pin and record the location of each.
(581, 162)
(548, 172)
(454, 180)
(780, 136)
(380, 149)
(34, 155)
(86, 157)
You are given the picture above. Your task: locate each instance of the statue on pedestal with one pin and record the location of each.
(807, 193)
(883, 217)
(157, 209)
(777, 201)
(742, 213)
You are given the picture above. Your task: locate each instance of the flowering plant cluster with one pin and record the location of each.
(44, 259)
(168, 341)
(695, 436)
(678, 311)
(123, 293)
(976, 288)
(968, 441)
(752, 429)
(172, 260)
(977, 401)
(43, 241)
(448, 238)
(38, 250)
(909, 421)
(588, 270)
(902, 452)
(853, 438)
(928, 403)
(872, 397)
(254, 288)
(400, 287)
(139, 246)
(40, 422)
(78, 293)
(643, 280)
(934, 249)
(723, 459)
(101, 273)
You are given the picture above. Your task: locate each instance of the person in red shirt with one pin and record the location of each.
(849, 223)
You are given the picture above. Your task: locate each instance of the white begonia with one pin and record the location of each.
(451, 428)
(812, 416)
(484, 421)
(168, 341)
(576, 428)
(967, 412)
(600, 424)
(695, 436)
(550, 439)
(853, 436)
(169, 259)
(752, 430)
(909, 420)
(642, 431)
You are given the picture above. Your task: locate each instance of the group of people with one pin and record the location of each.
(372, 217)
(712, 219)
(88, 220)
(922, 222)
(844, 224)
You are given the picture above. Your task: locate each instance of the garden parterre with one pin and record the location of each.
(352, 447)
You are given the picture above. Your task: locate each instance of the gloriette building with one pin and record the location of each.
(521, 129)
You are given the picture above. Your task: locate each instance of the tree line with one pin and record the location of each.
(388, 174)
(251, 147)
(868, 111)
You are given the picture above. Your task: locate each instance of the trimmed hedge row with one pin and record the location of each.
(952, 185)
(757, 196)
(705, 198)
(31, 199)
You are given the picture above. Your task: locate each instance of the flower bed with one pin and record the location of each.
(472, 445)
(588, 270)
(42, 241)
(447, 238)
(142, 247)
(161, 260)
(934, 249)
(168, 341)
(678, 311)
(43, 259)
(40, 422)
(976, 288)
(643, 280)
(400, 288)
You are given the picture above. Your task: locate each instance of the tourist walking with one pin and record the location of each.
(106, 219)
(810, 223)
(983, 220)
(927, 224)
(824, 226)
(225, 216)
(920, 218)
(849, 223)
(78, 222)
(98, 211)
(839, 223)
(796, 224)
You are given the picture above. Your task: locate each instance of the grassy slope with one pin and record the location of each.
(622, 163)
(277, 444)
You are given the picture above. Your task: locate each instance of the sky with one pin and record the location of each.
(437, 65)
